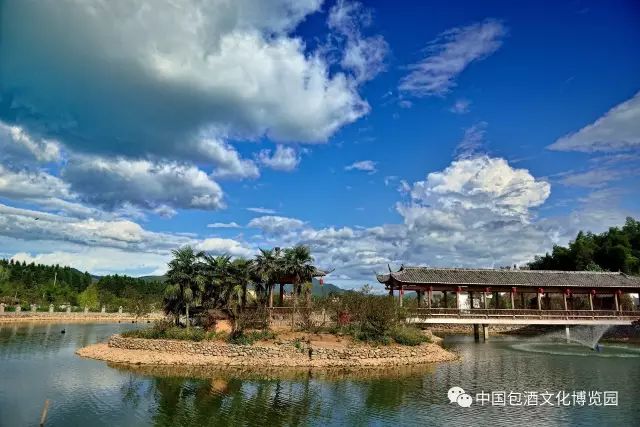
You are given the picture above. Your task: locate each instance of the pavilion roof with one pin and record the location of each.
(492, 277)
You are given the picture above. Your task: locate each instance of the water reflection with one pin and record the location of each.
(39, 363)
(272, 396)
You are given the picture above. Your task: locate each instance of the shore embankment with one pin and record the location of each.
(77, 317)
(313, 352)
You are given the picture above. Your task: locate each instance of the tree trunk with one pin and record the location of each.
(243, 301)
(187, 316)
(271, 285)
(281, 294)
(295, 295)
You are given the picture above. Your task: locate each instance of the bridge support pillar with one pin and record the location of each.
(567, 333)
(476, 332)
(420, 298)
(485, 332)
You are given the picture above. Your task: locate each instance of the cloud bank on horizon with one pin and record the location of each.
(233, 126)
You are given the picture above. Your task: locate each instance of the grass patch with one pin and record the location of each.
(408, 335)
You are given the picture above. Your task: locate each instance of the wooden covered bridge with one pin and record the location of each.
(504, 296)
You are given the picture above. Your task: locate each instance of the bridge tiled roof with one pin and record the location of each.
(528, 278)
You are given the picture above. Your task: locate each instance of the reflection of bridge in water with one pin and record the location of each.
(515, 297)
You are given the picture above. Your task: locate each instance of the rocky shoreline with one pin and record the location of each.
(288, 353)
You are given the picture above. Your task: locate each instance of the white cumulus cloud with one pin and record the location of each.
(110, 182)
(153, 76)
(283, 159)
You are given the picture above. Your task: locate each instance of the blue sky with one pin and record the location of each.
(447, 133)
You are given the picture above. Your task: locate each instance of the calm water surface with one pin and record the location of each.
(37, 362)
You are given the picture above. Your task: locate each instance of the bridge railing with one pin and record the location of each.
(520, 313)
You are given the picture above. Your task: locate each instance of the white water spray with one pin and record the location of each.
(587, 336)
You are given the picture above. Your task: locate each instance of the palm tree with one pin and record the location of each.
(297, 266)
(224, 283)
(183, 287)
(268, 269)
(214, 278)
(241, 269)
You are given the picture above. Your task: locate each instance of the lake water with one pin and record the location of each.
(37, 362)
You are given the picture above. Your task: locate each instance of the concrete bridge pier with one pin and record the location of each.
(476, 332)
(485, 332)
(567, 333)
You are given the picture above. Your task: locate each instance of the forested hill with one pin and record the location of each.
(617, 249)
(34, 275)
(45, 284)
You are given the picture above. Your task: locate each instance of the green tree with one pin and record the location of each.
(4, 275)
(617, 249)
(223, 283)
(214, 279)
(267, 268)
(89, 297)
(297, 266)
(139, 305)
(241, 270)
(183, 288)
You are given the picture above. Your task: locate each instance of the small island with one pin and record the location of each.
(220, 312)
(296, 350)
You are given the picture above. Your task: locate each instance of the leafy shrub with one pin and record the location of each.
(248, 338)
(297, 343)
(408, 335)
(379, 317)
(165, 330)
(211, 335)
(191, 334)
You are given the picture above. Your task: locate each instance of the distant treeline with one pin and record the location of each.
(617, 249)
(45, 284)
